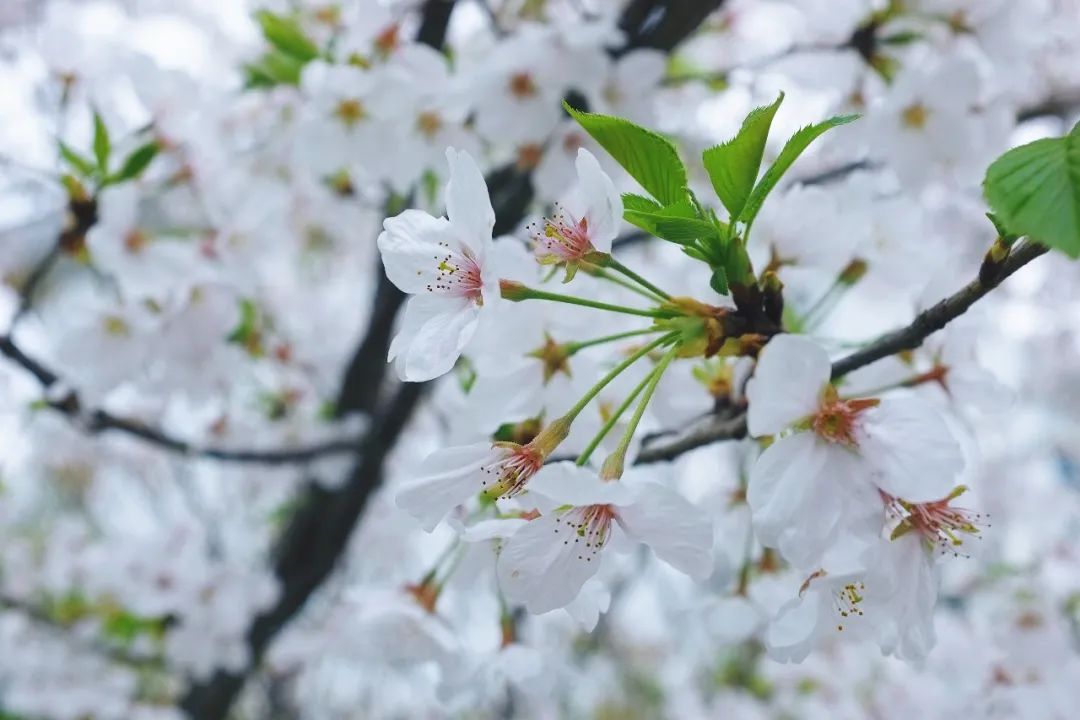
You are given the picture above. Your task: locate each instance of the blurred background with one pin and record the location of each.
(200, 437)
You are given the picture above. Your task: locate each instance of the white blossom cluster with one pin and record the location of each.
(572, 492)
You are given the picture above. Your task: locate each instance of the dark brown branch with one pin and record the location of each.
(95, 421)
(909, 337)
(930, 321)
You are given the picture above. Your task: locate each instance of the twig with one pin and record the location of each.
(930, 321)
(909, 337)
(95, 421)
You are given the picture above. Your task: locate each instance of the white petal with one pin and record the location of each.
(433, 332)
(792, 633)
(913, 453)
(679, 533)
(448, 478)
(602, 202)
(467, 203)
(796, 493)
(790, 375)
(411, 250)
(593, 600)
(543, 566)
(569, 484)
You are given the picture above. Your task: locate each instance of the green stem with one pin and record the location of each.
(650, 388)
(618, 266)
(534, 294)
(651, 296)
(614, 373)
(573, 347)
(595, 442)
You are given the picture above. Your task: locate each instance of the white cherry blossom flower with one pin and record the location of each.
(546, 562)
(585, 221)
(822, 476)
(443, 263)
(451, 476)
(830, 601)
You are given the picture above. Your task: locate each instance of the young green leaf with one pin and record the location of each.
(650, 158)
(273, 68)
(102, 145)
(83, 166)
(1034, 190)
(136, 162)
(651, 216)
(285, 35)
(719, 281)
(787, 157)
(733, 166)
(638, 203)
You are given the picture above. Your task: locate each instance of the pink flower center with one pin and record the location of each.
(509, 475)
(588, 528)
(835, 420)
(458, 275)
(562, 238)
(938, 523)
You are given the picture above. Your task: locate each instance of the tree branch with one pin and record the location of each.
(95, 421)
(930, 321)
(926, 323)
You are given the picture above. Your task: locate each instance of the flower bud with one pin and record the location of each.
(513, 290)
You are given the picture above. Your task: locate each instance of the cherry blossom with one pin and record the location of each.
(546, 562)
(443, 263)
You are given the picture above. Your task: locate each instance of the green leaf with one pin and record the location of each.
(787, 157)
(719, 281)
(650, 158)
(733, 166)
(136, 162)
(677, 222)
(285, 35)
(682, 230)
(102, 145)
(273, 68)
(638, 203)
(80, 164)
(1034, 190)
(248, 332)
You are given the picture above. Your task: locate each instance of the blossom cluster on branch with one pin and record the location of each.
(539, 358)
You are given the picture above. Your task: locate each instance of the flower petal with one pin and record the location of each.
(542, 565)
(603, 205)
(792, 633)
(786, 387)
(412, 244)
(433, 332)
(910, 448)
(796, 493)
(567, 483)
(468, 205)
(679, 533)
(448, 478)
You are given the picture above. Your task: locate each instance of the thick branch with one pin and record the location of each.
(663, 24)
(909, 337)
